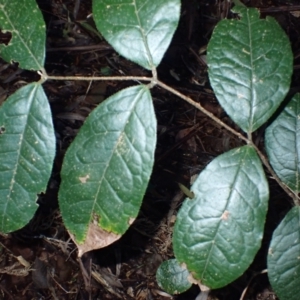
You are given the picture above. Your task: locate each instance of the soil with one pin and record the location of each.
(40, 260)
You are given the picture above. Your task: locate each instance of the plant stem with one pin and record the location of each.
(265, 161)
(236, 133)
(203, 110)
(97, 78)
(154, 80)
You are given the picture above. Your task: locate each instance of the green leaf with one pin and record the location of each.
(250, 66)
(25, 22)
(140, 31)
(283, 144)
(27, 149)
(218, 233)
(172, 277)
(283, 257)
(107, 167)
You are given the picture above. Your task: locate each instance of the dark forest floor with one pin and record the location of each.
(187, 142)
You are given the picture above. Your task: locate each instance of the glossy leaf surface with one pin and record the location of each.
(283, 257)
(173, 278)
(139, 30)
(283, 144)
(250, 66)
(27, 149)
(218, 233)
(24, 20)
(107, 167)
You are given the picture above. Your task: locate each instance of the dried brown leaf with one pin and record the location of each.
(96, 238)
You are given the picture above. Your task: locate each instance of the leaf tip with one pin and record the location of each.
(96, 238)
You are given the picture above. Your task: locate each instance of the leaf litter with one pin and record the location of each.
(40, 260)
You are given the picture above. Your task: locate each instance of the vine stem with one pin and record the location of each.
(154, 81)
(97, 78)
(265, 161)
(202, 109)
(236, 133)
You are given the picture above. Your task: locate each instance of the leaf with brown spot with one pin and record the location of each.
(107, 167)
(96, 238)
(220, 231)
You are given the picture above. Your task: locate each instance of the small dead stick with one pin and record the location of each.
(279, 8)
(19, 258)
(86, 276)
(81, 48)
(250, 281)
